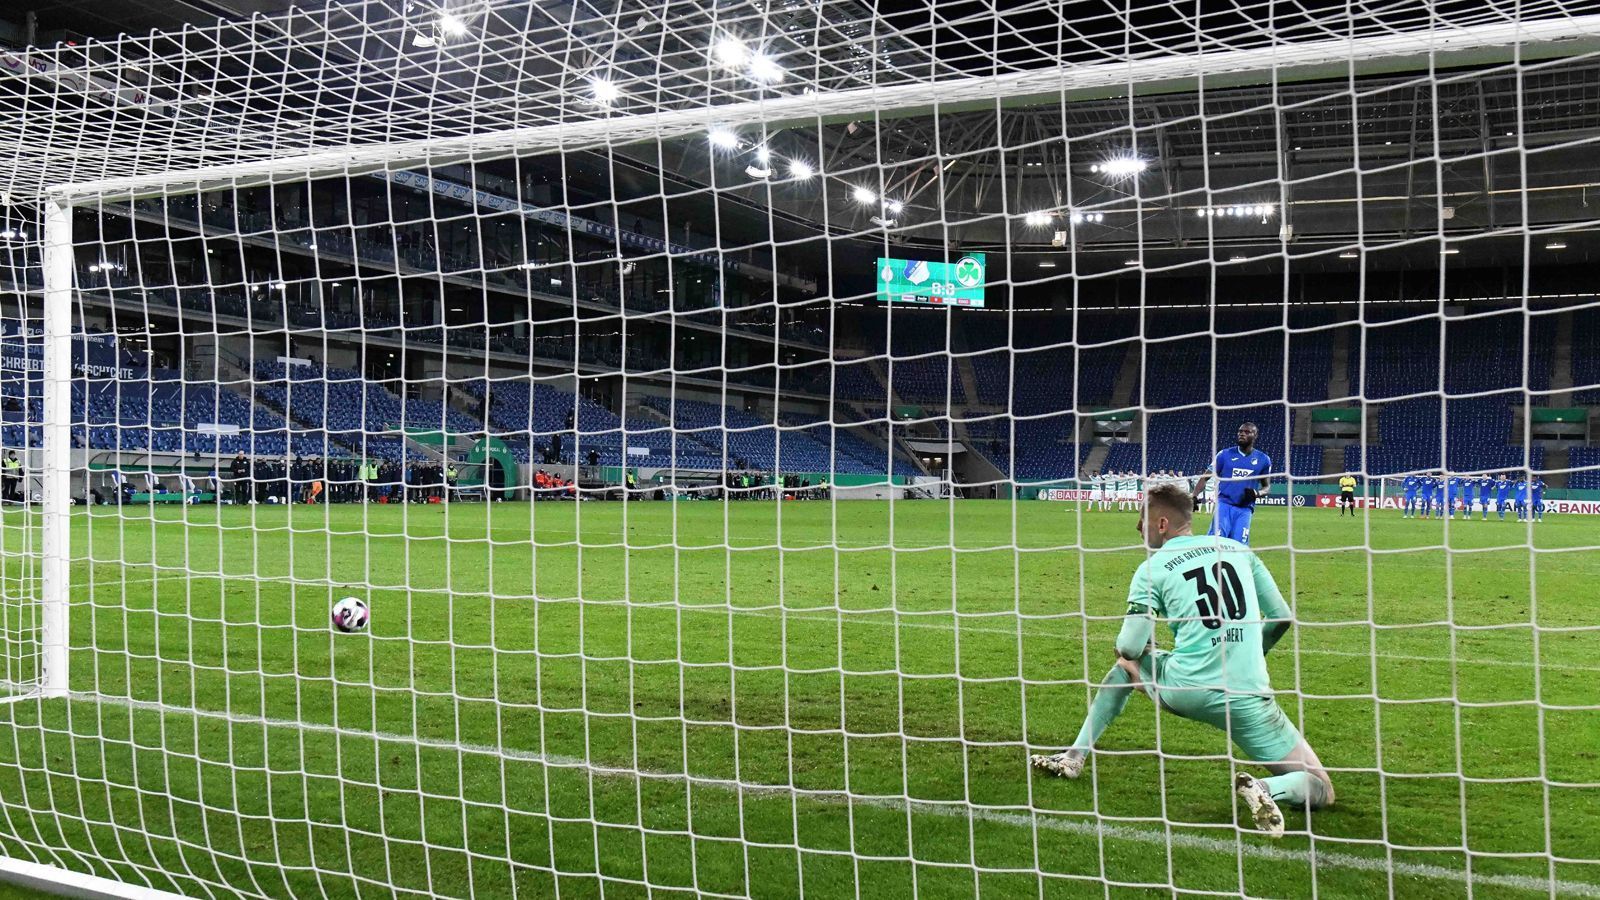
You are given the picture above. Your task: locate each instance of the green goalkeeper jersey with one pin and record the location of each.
(1215, 594)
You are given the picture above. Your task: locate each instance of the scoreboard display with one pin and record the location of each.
(956, 283)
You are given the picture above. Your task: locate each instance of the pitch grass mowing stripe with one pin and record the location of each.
(904, 620)
(580, 610)
(951, 809)
(858, 617)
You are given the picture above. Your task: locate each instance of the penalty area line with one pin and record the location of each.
(1041, 819)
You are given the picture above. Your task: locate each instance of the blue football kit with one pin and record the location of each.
(1411, 485)
(1237, 472)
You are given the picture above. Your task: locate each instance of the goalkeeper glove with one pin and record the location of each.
(1249, 496)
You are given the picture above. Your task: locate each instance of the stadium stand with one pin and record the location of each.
(1045, 447)
(733, 435)
(1585, 463)
(1585, 338)
(927, 379)
(1031, 382)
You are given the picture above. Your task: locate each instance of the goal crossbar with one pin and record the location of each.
(1408, 51)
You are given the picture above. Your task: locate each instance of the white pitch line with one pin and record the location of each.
(954, 809)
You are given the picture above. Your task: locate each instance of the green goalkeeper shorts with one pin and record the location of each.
(1256, 723)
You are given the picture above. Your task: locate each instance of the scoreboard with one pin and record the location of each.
(957, 283)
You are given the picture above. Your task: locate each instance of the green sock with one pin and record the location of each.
(1107, 705)
(1300, 789)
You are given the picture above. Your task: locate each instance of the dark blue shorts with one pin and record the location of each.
(1232, 522)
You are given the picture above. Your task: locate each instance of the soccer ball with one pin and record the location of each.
(350, 615)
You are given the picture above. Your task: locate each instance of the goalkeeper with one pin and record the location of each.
(1225, 613)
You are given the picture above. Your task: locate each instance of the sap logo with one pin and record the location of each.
(1242, 473)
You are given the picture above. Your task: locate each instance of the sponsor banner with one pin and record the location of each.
(94, 355)
(1064, 494)
(1282, 500)
(1082, 495)
(1332, 500)
(77, 82)
(1580, 507)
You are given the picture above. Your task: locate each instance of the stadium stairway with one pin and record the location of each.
(1333, 460)
(637, 410)
(1122, 395)
(1561, 371)
(963, 364)
(958, 428)
(976, 467)
(1558, 459)
(881, 372)
(233, 371)
(874, 436)
(419, 450)
(1301, 433)
(459, 398)
(1339, 385)
(1096, 459)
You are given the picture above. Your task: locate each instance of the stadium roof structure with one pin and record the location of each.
(968, 121)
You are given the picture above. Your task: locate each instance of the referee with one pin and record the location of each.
(1347, 495)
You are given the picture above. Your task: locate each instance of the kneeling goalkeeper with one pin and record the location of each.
(1225, 613)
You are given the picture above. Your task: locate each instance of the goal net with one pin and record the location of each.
(732, 419)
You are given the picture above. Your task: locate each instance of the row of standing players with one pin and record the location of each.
(1237, 474)
(314, 480)
(1436, 496)
(1241, 473)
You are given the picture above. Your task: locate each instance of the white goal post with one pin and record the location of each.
(418, 718)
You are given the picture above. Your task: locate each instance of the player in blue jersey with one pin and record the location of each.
(1536, 496)
(1469, 492)
(1502, 494)
(1240, 471)
(1412, 484)
(1486, 494)
(1439, 482)
(1519, 497)
(1424, 495)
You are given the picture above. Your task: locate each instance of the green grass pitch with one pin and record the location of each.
(697, 698)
